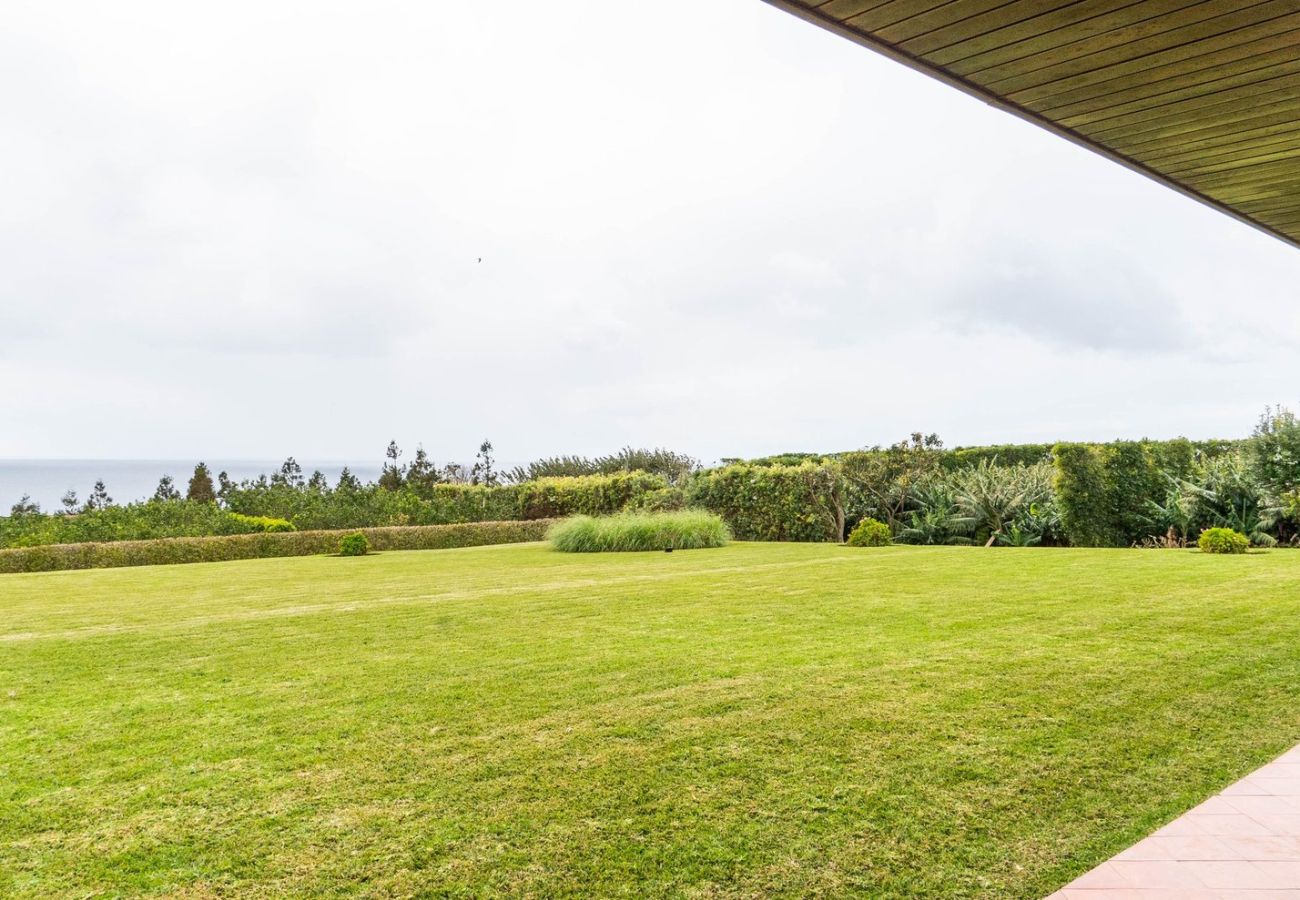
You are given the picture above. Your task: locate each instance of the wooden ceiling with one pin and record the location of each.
(1202, 96)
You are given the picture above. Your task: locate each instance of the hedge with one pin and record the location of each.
(1105, 491)
(164, 551)
(442, 504)
(772, 503)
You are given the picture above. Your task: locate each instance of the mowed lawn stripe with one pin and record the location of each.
(775, 719)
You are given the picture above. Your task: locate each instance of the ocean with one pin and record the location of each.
(46, 480)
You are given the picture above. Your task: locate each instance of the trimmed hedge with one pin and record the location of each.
(444, 504)
(164, 551)
(773, 503)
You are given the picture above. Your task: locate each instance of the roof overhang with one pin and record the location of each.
(1203, 97)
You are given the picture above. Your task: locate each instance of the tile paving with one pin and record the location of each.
(1241, 844)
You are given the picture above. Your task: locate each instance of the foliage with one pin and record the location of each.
(885, 479)
(354, 544)
(1222, 540)
(166, 490)
(675, 468)
(775, 503)
(870, 533)
(1273, 451)
(200, 488)
(134, 521)
(934, 518)
(165, 551)
(1010, 505)
(1000, 454)
(352, 505)
(1081, 493)
(484, 470)
(393, 475)
(691, 529)
(261, 524)
(665, 499)
(99, 498)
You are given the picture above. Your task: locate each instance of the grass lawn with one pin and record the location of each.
(762, 719)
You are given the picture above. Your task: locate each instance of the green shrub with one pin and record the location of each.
(684, 530)
(354, 544)
(1080, 485)
(1222, 540)
(870, 533)
(165, 551)
(263, 524)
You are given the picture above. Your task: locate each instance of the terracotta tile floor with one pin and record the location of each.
(1243, 843)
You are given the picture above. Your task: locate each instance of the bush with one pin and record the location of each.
(354, 544)
(685, 530)
(870, 533)
(263, 524)
(164, 551)
(1222, 540)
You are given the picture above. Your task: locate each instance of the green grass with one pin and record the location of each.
(687, 529)
(761, 719)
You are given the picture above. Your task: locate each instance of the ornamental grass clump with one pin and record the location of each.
(683, 530)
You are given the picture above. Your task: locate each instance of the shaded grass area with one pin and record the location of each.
(787, 720)
(687, 529)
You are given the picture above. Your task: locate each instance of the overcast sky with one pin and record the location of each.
(252, 229)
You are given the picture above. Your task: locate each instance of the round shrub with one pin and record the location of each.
(689, 529)
(870, 533)
(354, 545)
(1222, 540)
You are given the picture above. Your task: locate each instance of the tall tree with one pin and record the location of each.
(201, 489)
(422, 474)
(166, 489)
(99, 498)
(69, 501)
(394, 475)
(25, 506)
(290, 474)
(225, 485)
(484, 471)
(347, 481)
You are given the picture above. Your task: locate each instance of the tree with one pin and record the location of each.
(393, 476)
(166, 490)
(887, 478)
(347, 481)
(225, 486)
(484, 472)
(99, 498)
(69, 501)
(201, 489)
(25, 507)
(454, 473)
(1274, 450)
(290, 474)
(317, 484)
(422, 474)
